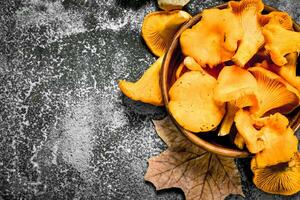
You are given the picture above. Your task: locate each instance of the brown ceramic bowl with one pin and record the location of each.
(208, 141)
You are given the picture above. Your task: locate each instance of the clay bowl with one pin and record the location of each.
(208, 141)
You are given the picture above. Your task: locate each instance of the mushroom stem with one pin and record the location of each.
(179, 70)
(228, 119)
(239, 141)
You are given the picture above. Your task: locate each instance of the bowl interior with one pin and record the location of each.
(210, 141)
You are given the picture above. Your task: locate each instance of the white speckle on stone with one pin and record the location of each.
(54, 154)
(70, 21)
(77, 145)
(67, 22)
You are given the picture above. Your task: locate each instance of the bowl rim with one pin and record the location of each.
(220, 150)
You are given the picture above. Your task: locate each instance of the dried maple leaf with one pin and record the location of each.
(200, 174)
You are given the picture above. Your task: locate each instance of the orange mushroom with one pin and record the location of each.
(269, 138)
(239, 141)
(238, 88)
(147, 88)
(274, 94)
(283, 178)
(288, 71)
(192, 103)
(245, 125)
(172, 4)
(280, 42)
(248, 12)
(192, 65)
(159, 28)
(237, 85)
(210, 42)
(227, 122)
(279, 141)
(277, 17)
(180, 70)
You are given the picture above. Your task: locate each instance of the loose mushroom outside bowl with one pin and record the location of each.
(209, 141)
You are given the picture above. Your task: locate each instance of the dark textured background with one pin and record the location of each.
(66, 131)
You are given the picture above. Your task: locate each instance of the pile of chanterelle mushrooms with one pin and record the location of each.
(239, 70)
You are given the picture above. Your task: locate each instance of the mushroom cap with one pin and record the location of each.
(280, 143)
(147, 88)
(172, 4)
(277, 17)
(210, 42)
(283, 179)
(228, 120)
(280, 42)
(160, 27)
(245, 125)
(192, 103)
(191, 64)
(274, 93)
(248, 12)
(236, 84)
(269, 138)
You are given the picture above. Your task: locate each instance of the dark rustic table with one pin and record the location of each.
(66, 131)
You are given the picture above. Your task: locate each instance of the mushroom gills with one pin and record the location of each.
(160, 27)
(283, 178)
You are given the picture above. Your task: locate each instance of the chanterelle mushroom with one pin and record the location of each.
(279, 140)
(283, 178)
(288, 71)
(245, 125)
(238, 87)
(192, 103)
(239, 141)
(269, 138)
(210, 42)
(191, 64)
(274, 94)
(227, 122)
(248, 11)
(276, 17)
(280, 42)
(181, 70)
(159, 28)
(172, 4)
(147, 88)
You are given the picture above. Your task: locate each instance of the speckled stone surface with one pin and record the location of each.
(66, 131)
